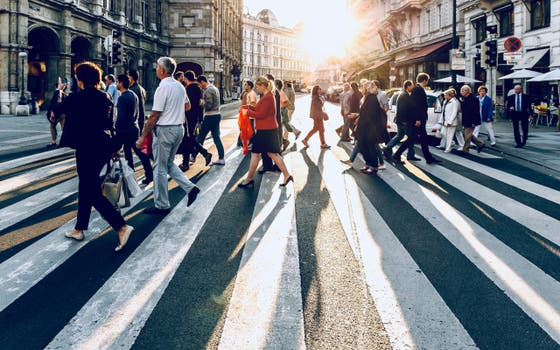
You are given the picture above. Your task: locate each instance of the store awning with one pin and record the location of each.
(374, 66)
(530, 58)
(428, 50)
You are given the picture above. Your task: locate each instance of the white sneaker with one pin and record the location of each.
(381, 167)
(493, 144)
(219, 162)
(77, 236)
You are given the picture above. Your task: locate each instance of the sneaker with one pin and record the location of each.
(493, 144)
(78, 236)
(192, 196)
(219, 162)
(369, 171)
(208, 158)
(192, 159)
(381, 167)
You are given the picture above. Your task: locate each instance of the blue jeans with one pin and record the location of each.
(211, 123)
(165, 145)
(401, 131)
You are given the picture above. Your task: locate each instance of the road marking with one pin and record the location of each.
(533, 219)
(391, 274)
(512, 180)
(265, 310)
(30, 177)
(32, 205)
(22, 139)
(115, 315)
(34, 158)
(535, 292)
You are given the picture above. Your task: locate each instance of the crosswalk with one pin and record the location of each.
(461, 255)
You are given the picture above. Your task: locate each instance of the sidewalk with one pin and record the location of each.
(542, 148)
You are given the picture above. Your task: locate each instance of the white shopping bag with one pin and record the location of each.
(129, 179)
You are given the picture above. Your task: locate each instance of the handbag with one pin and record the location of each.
(147, 144)
(112, 183)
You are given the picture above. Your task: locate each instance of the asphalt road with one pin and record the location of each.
(460, 255)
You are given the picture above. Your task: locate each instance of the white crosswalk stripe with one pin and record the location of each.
(267, 303)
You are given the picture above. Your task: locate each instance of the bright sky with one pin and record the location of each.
(329, 25)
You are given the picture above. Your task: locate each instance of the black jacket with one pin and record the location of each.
(355, 102)
(196, 113)
(371, 127)
(89, 121)
(56, 101)
(405, 109)
(525, 104)
(420, 103)
(470, 111)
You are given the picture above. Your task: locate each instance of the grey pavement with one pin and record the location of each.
(542, 148)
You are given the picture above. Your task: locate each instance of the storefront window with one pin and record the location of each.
(540, 14)
(479, 26)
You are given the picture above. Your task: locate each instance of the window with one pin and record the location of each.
(505, 22)
(540, 13)
(188, 21)
(479, 26)
(146, 13)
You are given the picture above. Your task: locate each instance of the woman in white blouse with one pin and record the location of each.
(451, 116)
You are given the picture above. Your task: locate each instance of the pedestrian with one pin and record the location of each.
(166, 122)
(267, 163)
(291, 94)
(212, 117)
(140, 93)
(487, 113)
(248, 97)
(470, 116)
(88, 129)
(370, 130)
(194, 117)
(180, 77)
(284, 103)
(451, 113)
(518, 106)
(405, 108)
(54, 114)
(416, 126)
(317, 114)
(343, 131)
(126, 127)
(112, 90)
(354, 109)
(266, 134)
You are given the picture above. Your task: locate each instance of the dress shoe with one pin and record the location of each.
(480, 148)
(387, 153)
(250, 183)
(288, 180)
(184, 166)
(325, 146)
(51, 145)
(147, 181)
(414, 159)
(519, 146)
(433, 161)
(208, 159)
(347, 162)
(304, 141)
(78, 236)
(157, 211)
(192, 196)
(397, 160)
(368, 170)
(126, 235)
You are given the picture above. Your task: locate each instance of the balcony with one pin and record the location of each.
(398, 7)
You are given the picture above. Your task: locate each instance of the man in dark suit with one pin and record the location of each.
(518, 107)
(405, 110)
(418, 128)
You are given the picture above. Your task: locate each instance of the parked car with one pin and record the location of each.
(434, 98)
(333, 93)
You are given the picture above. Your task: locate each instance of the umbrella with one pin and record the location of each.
(550, 76)
(460, 79)
(521, 74)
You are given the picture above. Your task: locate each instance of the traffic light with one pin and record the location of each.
(116, 34)
(491, 53)
(116, 53)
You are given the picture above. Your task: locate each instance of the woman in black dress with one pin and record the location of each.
(370, 130)
(88, 129)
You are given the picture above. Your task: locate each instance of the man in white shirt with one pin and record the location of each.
(112, 90)
(166, 121)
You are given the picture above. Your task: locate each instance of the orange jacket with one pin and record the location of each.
(245, 127)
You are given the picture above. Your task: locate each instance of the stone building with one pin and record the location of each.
(534, 22)
(55, 35)
(269, 47)
(203, 33)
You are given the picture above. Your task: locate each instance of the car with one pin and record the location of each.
(434, 99)
(333, 93)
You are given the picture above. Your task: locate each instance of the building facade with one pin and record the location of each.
(55, 35)
(534, 22)
(206, 37)
(269, 47)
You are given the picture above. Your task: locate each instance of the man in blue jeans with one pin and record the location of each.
(212, 117)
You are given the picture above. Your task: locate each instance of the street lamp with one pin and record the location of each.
(222, 51)
(22, 100)
(454, 42)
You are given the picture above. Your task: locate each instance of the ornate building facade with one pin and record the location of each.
(269, 47)
(42, 40)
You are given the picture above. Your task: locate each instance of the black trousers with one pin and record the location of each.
(412, 132)
(516, 118)
(190, 143)
(128, 140)
(89, 165)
